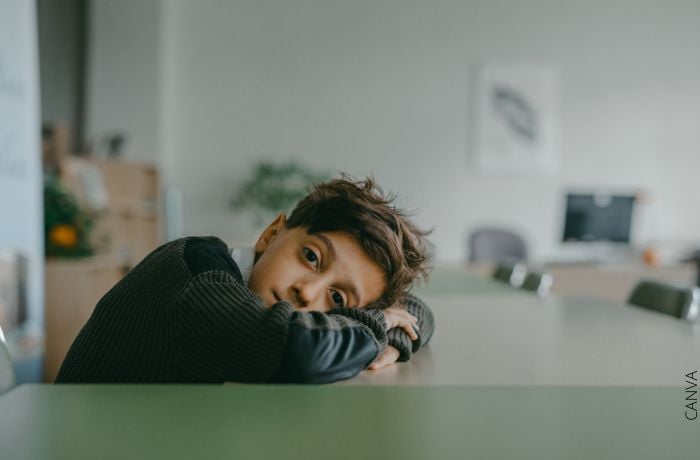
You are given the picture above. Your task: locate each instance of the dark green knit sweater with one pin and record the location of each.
(185, 315)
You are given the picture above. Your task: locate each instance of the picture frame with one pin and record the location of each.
(516, 119)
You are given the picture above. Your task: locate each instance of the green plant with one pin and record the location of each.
(274, 188)
(67, 227)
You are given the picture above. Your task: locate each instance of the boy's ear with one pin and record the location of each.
(270, 233)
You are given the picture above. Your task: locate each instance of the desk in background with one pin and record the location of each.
(614, 282)
(610, 281)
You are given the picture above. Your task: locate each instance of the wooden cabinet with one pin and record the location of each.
(73, 288)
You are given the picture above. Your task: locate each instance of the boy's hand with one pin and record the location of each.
(398, 317)
(395, 317)
(389, 356)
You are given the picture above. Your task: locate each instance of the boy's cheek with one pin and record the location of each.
(266, 301)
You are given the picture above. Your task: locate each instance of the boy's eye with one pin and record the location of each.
(337, 299)
(310, 256)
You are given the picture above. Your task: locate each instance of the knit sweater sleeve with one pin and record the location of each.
(226, 333)
(426, 324)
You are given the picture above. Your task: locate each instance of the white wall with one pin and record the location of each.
(21, 216)
(384, 86)
(123, 80)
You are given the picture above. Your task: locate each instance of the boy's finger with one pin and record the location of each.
(378, 364)
(410, 331)
(389, 356)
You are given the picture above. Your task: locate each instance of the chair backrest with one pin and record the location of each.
(538, 282)
(681, 302)
(7, 371)
(495, 244)
(512, 273)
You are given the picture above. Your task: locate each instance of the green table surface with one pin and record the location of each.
(339, 422)
(459, 282)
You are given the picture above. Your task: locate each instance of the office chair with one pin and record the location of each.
(495, 244)
(512, 273)
(681, 302)
(695, 258)
(539, 283)
(7, 371)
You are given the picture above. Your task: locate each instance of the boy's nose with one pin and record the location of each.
(306, 294)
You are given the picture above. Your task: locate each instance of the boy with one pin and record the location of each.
(317, 300)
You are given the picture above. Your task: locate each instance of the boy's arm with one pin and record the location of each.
(228, 333)
(426, 326)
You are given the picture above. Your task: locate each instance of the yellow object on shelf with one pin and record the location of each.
(64, 235)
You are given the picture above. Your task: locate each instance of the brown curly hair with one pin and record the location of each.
(385, 232)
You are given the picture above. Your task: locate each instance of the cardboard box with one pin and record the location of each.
(142, 237)
(129, 183)
(124, 198)
(130, 237)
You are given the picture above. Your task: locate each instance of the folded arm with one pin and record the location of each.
(252, 343)
(228, 333)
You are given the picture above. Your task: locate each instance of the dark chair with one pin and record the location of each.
(695, 258)
(495, 245)
(538, 282)
(681, 302)
(512, 273)
(7, 371)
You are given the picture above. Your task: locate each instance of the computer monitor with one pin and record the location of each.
(592, 218)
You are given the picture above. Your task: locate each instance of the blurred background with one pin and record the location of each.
(123, 124)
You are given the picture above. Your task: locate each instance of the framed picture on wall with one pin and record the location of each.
(516, 119)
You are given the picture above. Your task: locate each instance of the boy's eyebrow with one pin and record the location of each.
(327, 241)
(349, 285)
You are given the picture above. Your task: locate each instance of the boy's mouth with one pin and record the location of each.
(277, 298)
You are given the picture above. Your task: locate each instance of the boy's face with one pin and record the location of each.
(313, 272)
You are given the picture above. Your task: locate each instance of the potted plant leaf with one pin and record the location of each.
(275, 187)
(67, 226)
